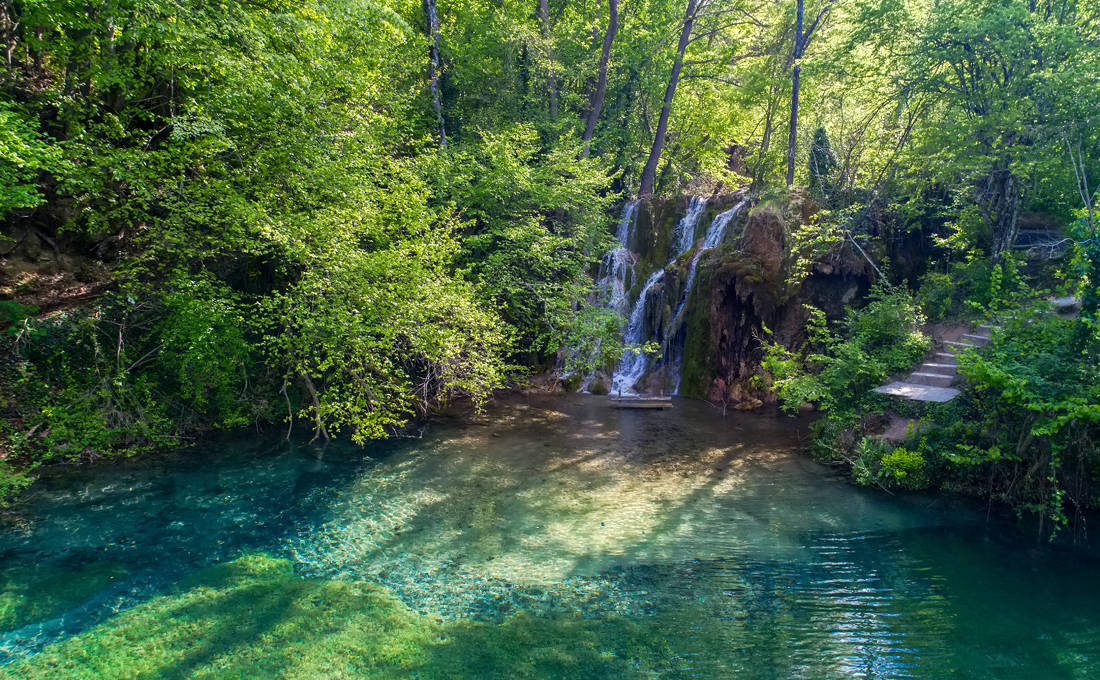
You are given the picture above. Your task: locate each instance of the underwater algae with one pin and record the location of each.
(254, 617)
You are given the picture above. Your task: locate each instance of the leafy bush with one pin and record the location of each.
(535, 222)
(839, 368)
(956, 291)
(906, 468)
(12, 481)
(13, 313)
(1034, 393)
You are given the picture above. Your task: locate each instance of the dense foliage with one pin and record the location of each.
(1024, 431)
(282, 237)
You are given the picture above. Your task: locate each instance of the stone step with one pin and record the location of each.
(918, 392)
(935, 379)
(942, 369)
(974, 339)
(944, 358)
(986, 329)
(953, 346)
(1066, 304)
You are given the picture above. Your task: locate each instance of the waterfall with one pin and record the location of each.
(616, 278)
(619, 261)
(715, 233)
(685, 230)
(615, 268)
(634, 362)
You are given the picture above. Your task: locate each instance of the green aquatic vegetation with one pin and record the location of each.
(255, 618)
(29, 594)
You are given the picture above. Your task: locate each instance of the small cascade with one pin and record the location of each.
(619, 263)
(685, 230)
(615, 269)
(617, 278)
(634, 362)
(715, 233)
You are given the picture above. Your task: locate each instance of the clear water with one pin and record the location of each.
(728, 553)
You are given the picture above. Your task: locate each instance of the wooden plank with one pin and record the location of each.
(641, 404)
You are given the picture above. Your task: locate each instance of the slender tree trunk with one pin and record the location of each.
(433, 70)
(765, 144)
(801, 40)
(792, 137)
(596, 103)
(796, 73)
(649, 173)
(319, 424)
(551, 79)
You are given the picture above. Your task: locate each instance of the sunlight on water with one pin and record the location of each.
(693, 545)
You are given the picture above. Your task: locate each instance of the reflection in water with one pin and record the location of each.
(738, 557)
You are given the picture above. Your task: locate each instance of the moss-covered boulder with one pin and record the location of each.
(745, 286)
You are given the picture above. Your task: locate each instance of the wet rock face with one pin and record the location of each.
(707, 304)
(765, 240)
(744, 286)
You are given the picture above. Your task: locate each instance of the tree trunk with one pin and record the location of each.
(596, 103)
(649, 173)
(792, 138)
(551, 80)
(801, 40)
(433, 70)
(1005, 211)
(796, 73)
(319, 424)
(765, 144)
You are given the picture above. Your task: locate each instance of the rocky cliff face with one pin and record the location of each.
(707, 305)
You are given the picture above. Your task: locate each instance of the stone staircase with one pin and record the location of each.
(934, 379)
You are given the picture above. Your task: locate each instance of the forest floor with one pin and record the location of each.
(57, 284)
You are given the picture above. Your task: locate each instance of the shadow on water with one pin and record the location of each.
(552, 537)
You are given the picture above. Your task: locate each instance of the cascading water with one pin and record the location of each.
(619, 263)
(617, 278)
(715, 233)
(615, 269)
(633, 363)
(685, 230)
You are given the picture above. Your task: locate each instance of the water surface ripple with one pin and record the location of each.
(750, 560)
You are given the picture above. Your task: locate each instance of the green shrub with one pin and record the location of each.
(840, 368)
(906, 468)
(12, 313)
(11, 482)
(965, 284)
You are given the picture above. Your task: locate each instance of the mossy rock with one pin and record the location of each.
(572, 383)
